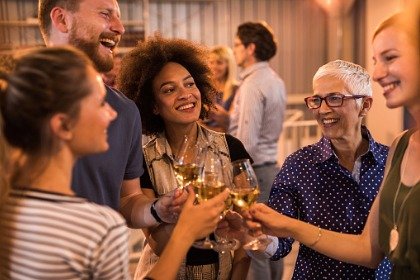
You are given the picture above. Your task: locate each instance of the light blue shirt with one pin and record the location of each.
(258, 112)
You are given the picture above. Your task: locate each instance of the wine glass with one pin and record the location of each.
(223, 243)
(211, 185)
(244, 193)
(188, 163)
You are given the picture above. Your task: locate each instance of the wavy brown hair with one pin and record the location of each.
(140, 66)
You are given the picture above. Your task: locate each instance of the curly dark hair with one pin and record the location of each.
(140, 66)
(261, 35)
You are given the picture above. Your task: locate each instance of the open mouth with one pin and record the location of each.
(186, 106)
(108, 43)
(329, 121)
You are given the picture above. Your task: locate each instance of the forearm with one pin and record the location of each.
(240, 266)
(351, 248)
(136, 210)
(172, 256)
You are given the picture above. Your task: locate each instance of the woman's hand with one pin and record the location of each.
(269, 221)
(198, 220)
(170, 205)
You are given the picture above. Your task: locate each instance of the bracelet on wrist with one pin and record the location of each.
(317, 238)
(154, 212)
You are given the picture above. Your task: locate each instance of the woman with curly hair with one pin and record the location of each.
(170, 82)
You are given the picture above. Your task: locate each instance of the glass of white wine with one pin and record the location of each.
(244, 192)
(211, 185)
(188, 163)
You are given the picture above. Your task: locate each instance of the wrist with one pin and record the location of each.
(155, 213)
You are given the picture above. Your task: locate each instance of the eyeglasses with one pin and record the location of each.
(333, 100)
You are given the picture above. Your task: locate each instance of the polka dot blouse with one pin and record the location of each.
(315, 188)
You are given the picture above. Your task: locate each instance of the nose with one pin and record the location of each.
(184, 93)
(379, 71)
(117, 26)
(112, 113)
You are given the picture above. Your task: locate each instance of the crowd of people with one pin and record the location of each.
(75, 172)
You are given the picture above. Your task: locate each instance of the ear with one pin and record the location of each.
(60, 125)
(59, 19)
(155, 110)
(251, 48)
(366, 105)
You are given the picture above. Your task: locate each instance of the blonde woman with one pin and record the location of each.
(223, 67)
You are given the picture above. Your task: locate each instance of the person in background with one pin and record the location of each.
(392, 226)
(169, 80)
(223, 66)
(257, 115)
(110, 178)
(306, 186)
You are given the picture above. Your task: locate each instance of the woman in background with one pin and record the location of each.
(223, 67)
(392, 227)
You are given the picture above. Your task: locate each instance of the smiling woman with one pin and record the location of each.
(170, 82)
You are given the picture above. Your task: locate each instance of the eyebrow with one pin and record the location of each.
(327, 94)
(171, 82)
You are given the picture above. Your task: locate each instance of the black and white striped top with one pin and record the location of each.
(52, 236)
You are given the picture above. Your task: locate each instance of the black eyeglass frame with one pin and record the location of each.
(334, 94)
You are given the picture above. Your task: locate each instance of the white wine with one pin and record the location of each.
(187, 173)
(205, 192)
(243, 198)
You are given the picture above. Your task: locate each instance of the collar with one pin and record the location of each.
(326, 151)
(162, 147)
(251, 69)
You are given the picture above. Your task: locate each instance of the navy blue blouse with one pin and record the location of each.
(315, 188)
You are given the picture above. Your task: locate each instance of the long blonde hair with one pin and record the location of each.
(226, 53)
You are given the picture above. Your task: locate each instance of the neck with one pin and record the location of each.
(348, 151)
(56, 175)
(175, 136)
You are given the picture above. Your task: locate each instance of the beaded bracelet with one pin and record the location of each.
(318, 237)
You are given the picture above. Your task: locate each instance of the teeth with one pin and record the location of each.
(187, 106)
(108, 42)
(390, 86)
(329, 121)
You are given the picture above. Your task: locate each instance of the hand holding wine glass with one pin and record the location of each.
(244, 193)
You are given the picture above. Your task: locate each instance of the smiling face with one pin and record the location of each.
(337, 123)
(90, 130)
(96, 29)
(396, 67)
(177, 98)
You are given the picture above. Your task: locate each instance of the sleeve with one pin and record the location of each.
(134, 167)
(250, 117)
(283, 199)
(111, 257)
(236, 149)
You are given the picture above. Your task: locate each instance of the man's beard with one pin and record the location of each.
(102, 63)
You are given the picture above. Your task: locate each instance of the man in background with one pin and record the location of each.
(257, 116)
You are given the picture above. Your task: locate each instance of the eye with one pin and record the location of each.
(334, 98)
(105, 14)
(389, 58)
(190, 84)
(168, 89)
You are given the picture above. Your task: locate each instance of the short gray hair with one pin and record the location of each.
(355, 77)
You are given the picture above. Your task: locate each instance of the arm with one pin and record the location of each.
(110, 259)
(195, 222)
(240, 266)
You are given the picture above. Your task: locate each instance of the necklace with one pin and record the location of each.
(394, 234)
